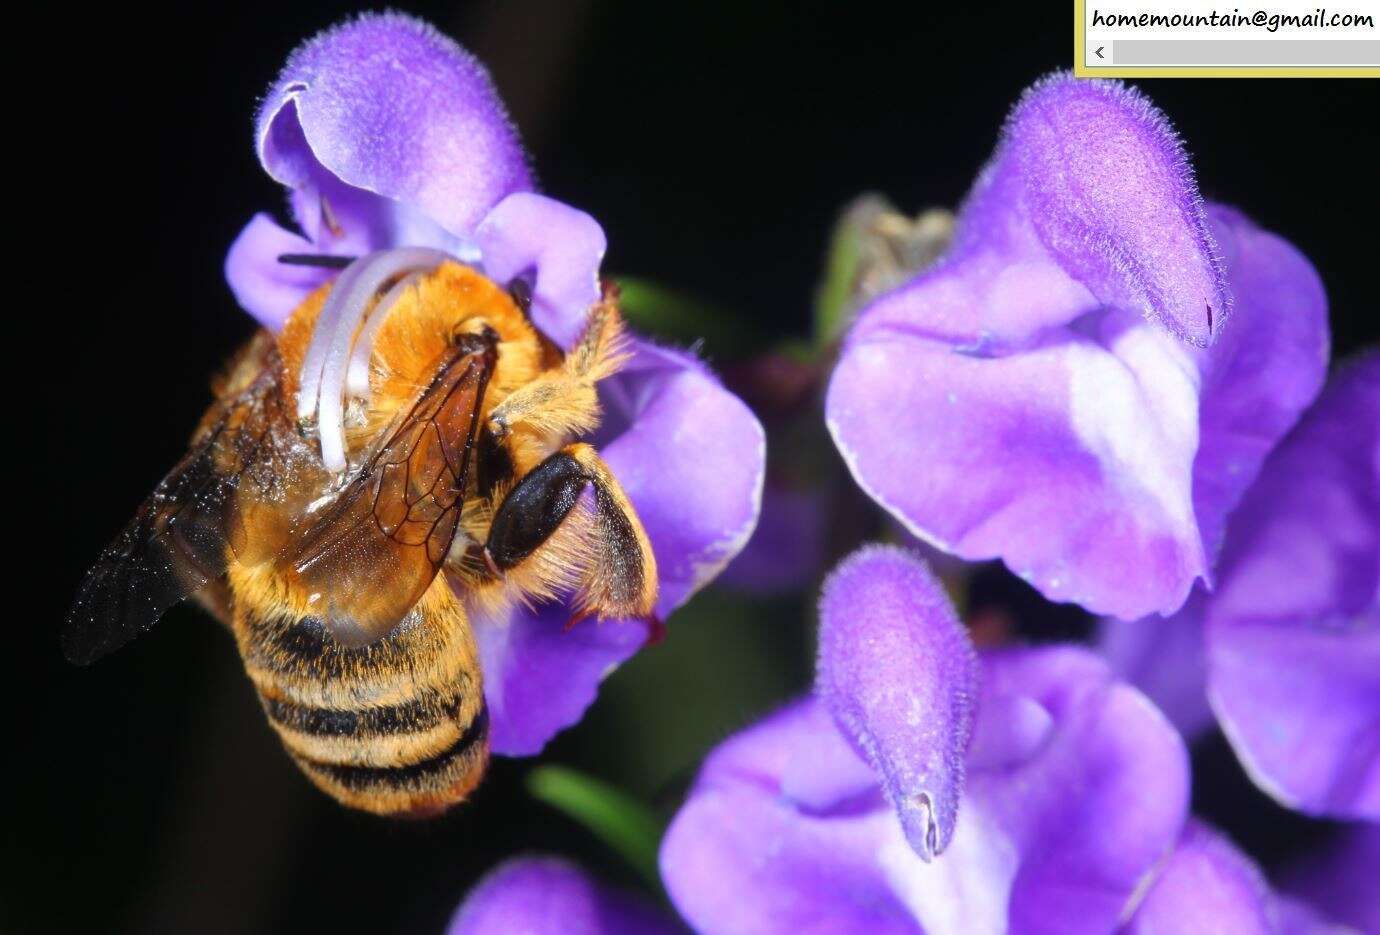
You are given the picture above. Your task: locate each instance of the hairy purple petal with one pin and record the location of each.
(550, 896)
(1110, 194)
(386, 106)
(898, 672)
(1293, 631)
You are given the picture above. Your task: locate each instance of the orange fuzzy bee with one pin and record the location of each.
(400, 456)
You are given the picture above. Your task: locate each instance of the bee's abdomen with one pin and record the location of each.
(398, 727)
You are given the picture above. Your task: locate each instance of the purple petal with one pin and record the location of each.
(1293, 631)
(539, 677)
(738, 857)
(1340, 879)
(787, 552)
(559, 246)
(550, 896)
(384, 112)
(1207, 886)
(898, 672)
(1164, 658)
(1071, 461)
(265, 288)
(690, 457)
(1064, 836)
(1265, 370)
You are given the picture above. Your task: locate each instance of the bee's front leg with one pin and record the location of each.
(544, 531)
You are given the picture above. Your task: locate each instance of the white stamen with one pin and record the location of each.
(357, 375)
(324, 365)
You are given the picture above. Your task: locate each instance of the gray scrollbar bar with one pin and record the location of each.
(1301, 53)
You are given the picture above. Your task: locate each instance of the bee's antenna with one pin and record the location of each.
(324, 260)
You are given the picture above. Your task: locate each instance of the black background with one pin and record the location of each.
(715, 142)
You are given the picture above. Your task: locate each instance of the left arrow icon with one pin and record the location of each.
(1098, 51)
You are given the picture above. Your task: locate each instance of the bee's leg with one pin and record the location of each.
(563, 401)
(544, 529)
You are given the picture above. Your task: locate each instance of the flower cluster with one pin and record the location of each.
(1115, 388)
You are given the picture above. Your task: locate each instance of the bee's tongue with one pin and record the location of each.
(328, 359)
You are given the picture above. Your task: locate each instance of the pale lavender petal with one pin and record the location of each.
(1339, 880)
(898, 672)
(740, 858)
(1164, 658)
(1265, 370)
(386, 106)
(551, 896)
(1293, 631)
(690, 457)
(539, 677)
(558, 247)
(1207, 886)
(1071, 461)
(265, 288)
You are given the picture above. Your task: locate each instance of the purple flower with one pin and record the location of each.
(387, 135)
(1075, 788)
(548, 896)
(1287, 647)
(1064, 390)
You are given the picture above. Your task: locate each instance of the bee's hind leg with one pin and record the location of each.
(545, 534)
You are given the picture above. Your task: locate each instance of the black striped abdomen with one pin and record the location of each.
(396, 727)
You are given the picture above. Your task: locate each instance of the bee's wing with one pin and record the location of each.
(177, 541)
(384, 538)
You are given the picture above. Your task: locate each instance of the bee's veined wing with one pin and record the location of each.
(383, 540)
(178, 540)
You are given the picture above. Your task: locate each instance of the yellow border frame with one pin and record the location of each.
(1198, 71)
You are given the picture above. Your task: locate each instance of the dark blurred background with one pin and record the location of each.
(715, 142)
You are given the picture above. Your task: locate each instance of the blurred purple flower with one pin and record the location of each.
(388, 134)
(1075, 789)
(1339, 879)
(1287, 647)
(1208, 885)
(549, 896)
(1026, 398)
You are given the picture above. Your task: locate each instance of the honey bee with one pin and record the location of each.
(400, 457)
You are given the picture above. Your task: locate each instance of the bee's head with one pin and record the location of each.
(365, 344)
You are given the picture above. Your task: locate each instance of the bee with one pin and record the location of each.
(401, 457)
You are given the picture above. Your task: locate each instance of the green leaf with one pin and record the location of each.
(622, 822)
(669, 313)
